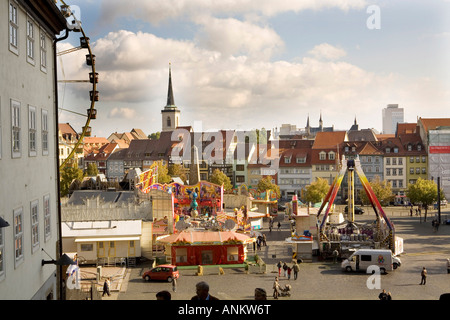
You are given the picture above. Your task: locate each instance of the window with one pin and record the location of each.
(417, 159)
(301, 160)
(424, 159)
(388, 150)
(31, 131)
(419, 147)
(417, 170)
(287, 160)
(365, 257)
(44, 128)
(18, 237)
(47, 218)
(409, 147)
(13, 28)
(400, 183)
(15, 125)
(322, 156)
(411, 170)
(169, 123)
(394, 161)
(395, 150)
(87, 247)
(30, 41)
(388, 161)
(331, 156)
(388, 172)
(400, 161)
(424, 170)
(34, 209)
(43, 50)
(240, 167)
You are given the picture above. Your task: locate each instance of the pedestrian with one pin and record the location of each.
(163, 295)
(276, 288)
(335, 255)
(410, 212)
(285, 269)
(202, 292)
(289, 272)
(254, 245)
(174, 285)
(389, 297)
(258, 244)
(448, 265)
(296, 269)
(264, 240)
(424, 276)
(106, 285)
(279, 225)
(260, 294)
(279, 265)
(383, 295)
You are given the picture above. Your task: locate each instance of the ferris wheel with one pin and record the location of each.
(93, 79)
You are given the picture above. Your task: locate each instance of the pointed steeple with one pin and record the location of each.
(321, 122)
(170, 99)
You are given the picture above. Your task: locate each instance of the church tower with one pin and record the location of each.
(170, 114)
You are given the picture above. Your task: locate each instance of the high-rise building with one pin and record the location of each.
(392, 115)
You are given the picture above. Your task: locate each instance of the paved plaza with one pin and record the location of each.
(319, 280)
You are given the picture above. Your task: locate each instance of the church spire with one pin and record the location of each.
(170, 99)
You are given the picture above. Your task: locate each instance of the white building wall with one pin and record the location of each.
(26, 178)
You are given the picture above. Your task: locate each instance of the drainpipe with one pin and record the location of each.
(55, 83)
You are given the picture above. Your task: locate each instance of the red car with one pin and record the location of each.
(165, 272)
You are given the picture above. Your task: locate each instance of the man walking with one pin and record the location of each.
(296, 269)
(424, 276)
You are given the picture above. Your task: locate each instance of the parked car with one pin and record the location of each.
(165, 272)
(358, 210)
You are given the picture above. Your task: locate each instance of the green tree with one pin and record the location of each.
(266, 184)
(218, 177)
(381, 189)
(177, 170)
(67, 175)
(92, 170)
(316, 191)
(423, 191)
(163, 173)
(154, 135)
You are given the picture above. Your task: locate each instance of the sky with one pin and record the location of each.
(246, 64)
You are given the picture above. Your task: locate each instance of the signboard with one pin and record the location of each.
(439, 149)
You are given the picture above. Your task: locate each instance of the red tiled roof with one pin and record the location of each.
(327, 140)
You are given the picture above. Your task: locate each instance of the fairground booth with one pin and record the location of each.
(205, 247)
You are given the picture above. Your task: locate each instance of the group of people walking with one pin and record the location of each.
(287, 270)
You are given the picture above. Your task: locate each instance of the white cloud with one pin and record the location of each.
(233, 37)
(327, 51)
(126, 113)
(156, 11)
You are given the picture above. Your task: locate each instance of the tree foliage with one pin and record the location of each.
(316, 191)
(381, 189)
(218, 177)
(423, 191)
(266, 184)
(67, 175)
(92, 170)
(177, 170)
(163, 173)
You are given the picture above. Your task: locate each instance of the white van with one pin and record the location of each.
(363, 258)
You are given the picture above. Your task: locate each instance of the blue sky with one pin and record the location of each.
(252, 64)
